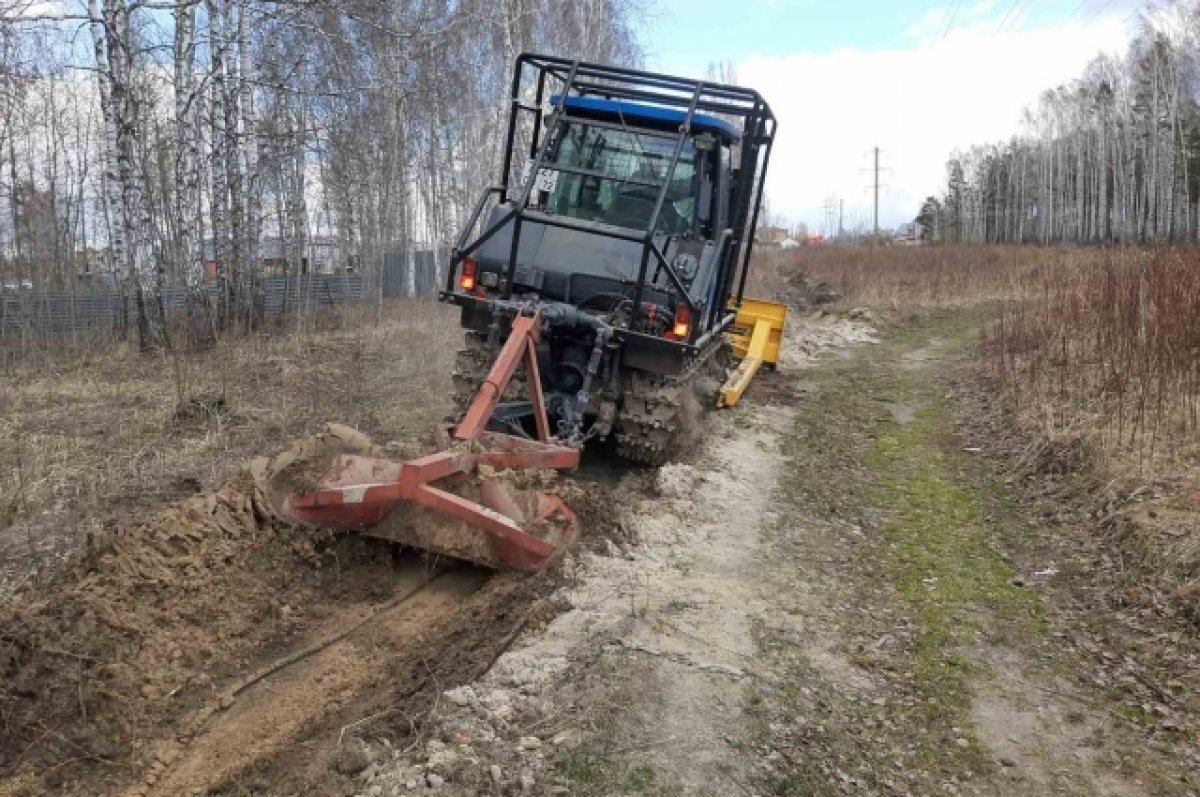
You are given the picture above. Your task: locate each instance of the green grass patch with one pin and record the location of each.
(593, 772)
(939, 551)
(870, 448)
(938, 547)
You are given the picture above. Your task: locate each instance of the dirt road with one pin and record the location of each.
(831, 597)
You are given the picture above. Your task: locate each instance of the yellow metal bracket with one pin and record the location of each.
(756, 336)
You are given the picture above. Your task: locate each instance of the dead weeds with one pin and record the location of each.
(1117, 555)
(99, 439)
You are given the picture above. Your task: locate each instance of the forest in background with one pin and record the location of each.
(140, 139)
(1112, 157)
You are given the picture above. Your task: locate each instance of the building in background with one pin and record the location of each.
(770, 236)
(321, 255)
(911, 233)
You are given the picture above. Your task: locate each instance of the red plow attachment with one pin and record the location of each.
(490, 519)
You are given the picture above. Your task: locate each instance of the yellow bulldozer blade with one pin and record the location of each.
(756, 335)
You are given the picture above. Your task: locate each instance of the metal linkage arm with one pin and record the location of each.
(520, 344)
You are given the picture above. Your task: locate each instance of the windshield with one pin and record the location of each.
(623, 155)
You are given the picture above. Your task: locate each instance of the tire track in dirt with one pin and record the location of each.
(638, 685)
(274, 711)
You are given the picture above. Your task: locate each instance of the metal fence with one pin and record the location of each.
(290, 294)
(34, 316)
(412, 273)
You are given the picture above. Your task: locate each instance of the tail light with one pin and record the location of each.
(467, 280)
(683, 322)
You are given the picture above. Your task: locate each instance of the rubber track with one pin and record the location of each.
(653, 415)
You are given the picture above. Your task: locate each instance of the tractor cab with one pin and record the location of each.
(622, 151)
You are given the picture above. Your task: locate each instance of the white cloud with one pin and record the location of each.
(917, 104)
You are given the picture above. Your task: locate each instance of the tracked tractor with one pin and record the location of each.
(628, 231)
(601, 286)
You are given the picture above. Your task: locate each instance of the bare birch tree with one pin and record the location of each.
(1112, 157)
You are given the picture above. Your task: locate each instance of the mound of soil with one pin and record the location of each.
(112, 668)
(803, 294)
(143, 629)
(306, 464)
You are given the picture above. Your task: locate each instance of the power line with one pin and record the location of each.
(953, 12)
(1071, 16)
(1004, 21)
(1149, 4)
(1099, 11)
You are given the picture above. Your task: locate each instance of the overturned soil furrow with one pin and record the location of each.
(453, 636)
(215, 641)
(274, 710)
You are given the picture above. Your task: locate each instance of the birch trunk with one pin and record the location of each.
(110, 194)
(249, 147)
(187, 130)
(219, 198)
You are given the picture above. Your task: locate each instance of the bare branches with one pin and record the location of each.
(219, 141)
(1111, 157)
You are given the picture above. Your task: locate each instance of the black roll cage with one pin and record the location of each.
(580, 78)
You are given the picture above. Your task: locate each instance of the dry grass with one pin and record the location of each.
(1111, 356)
(97, 436)
(770, 273)
(903, 278)
(1091, 345)
(1095, 353)
(1104, 371)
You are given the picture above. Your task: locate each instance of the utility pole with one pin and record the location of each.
(829, 208)
(877, 191)
(875, 169)
(841, 215)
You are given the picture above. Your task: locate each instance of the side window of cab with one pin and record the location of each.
(706, 163)
(722, 189)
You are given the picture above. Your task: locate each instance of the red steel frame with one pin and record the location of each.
(520, 343)
(357, 498)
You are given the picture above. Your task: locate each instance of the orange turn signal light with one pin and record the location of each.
(467, 280)
(683, 322)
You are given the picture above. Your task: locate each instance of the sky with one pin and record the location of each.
(916, 79)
